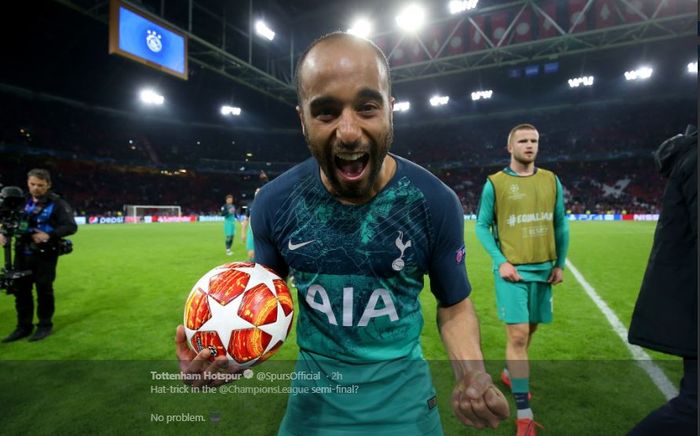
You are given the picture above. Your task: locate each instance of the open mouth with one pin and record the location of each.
(351, 165)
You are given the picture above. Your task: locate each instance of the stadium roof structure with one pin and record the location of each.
(495, 34)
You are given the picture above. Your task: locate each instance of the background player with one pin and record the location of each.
(228, 210)
(522, 225)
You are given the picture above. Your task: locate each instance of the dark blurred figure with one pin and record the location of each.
(47, 219)
(666, 314)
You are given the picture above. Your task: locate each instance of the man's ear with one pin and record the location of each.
(300, 112)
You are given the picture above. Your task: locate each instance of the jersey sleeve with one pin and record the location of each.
(485, 222)
(262, 220)
(447, 271)
(561, 227)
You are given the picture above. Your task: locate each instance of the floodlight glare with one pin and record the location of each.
(149, 96)
(457, 6)
(482, 95)
(264, 31)
(361, 27)
(411, 19)
(639, 74)
(693, 67)
(402, 106)
(581, 81)
(230, 110)
(439, 100)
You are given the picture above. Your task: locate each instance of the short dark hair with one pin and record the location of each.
(40, 173)
(229, 196)
(523, 126)
(336, 35)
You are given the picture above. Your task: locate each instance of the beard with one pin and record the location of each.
(361, 189)
(523, 159)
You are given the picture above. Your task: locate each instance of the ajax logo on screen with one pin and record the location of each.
(153, 41)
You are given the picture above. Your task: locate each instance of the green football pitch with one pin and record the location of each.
(121, 293)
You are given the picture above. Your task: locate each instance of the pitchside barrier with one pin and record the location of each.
(148, 219)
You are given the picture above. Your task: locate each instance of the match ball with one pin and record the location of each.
(241, 310)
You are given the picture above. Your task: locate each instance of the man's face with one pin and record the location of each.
(346, 115)
(229, 200)
(523, 145)
(37, 187)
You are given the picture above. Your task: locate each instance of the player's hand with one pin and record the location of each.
(556, 276)
(198, 363)
(508, 272)
(476, 402)
(40, 237)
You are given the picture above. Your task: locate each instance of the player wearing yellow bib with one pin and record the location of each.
(522, 225)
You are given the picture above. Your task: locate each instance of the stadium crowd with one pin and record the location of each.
(102, 159)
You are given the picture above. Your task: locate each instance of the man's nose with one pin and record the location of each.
(348, 131)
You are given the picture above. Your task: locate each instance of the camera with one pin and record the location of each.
(11, 202)
(11, 207)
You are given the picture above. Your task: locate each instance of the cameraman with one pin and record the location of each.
(48, 219)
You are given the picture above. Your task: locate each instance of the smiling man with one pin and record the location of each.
(522, 225)
(359, 228)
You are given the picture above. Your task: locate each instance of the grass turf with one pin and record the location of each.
(121, 294)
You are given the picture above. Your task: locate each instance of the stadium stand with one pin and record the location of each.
(103, 159)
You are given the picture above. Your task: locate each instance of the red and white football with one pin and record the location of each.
(242, 310)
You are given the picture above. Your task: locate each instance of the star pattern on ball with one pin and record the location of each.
(259, 274)
(225, 319)
(277, 329)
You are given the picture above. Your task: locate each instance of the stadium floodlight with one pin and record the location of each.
(693, 67)
(150, 96)
(411, 19)
(457, 6)
(402, 106)
(581, 81)
(264, 31)
(230, 110)
(361, 27)
(482, 95)
(439, 100)
(642, 73)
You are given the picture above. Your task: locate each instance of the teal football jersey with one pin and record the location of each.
(359, 270)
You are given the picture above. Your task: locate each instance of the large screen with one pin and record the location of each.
(137, 36)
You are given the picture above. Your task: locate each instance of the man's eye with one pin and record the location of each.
(325, 114)
(368, 107)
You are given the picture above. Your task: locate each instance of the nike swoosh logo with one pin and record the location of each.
(293, 247)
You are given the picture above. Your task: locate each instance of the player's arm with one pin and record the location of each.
(244, 227)
(475, 400)
(561, 237)
(484, 225)
(266, 250)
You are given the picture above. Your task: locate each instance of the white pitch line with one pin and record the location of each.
(643, 359)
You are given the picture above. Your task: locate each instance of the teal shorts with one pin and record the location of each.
(229, 228)
(523, 302)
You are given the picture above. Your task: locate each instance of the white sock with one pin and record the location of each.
(525, 413)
